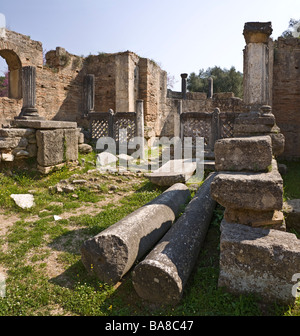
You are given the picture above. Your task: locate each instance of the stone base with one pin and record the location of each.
(264, 219)
(252, 191)
(259, 261)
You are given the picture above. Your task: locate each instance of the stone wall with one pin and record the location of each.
(286, 93)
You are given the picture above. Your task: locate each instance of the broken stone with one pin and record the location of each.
(105, 158)
(21, 154)
(24, 201)
(248, 154)
(7, 157)
(174, 171)
(162, 275)
(260, 261)
(111, 253)
(85, 148)
(79, 181)
(68, 188)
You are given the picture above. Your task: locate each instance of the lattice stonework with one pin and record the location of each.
(193, 127)
(227, 126)
(99, 128)
(124, 123)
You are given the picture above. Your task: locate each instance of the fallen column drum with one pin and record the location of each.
(111, 253)
(162, 275)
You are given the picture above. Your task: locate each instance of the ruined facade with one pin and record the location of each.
(120, 79)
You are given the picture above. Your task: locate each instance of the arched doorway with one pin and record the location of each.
(14, 73)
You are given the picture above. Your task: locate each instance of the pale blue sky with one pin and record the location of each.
(180, 35)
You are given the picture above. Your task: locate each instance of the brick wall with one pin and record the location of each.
(286, 93)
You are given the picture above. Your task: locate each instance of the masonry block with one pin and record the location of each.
(243, 154)
(50, 145)
(260, 261)
(252, 191)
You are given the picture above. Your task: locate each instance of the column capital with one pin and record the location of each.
(257, 32)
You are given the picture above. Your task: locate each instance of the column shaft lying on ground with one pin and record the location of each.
(162, 275)
(112, 252)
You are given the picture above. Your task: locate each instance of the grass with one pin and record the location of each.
(41, 258)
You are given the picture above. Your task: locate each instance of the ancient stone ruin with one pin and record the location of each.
(55, 108)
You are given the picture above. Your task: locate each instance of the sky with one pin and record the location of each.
(182, 36)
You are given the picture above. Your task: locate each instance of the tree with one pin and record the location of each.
(4, 85)
(224, 80)
(293, 29)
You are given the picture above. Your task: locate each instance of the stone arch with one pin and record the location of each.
(15, 72)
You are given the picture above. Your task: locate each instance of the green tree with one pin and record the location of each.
(224, 81)
(293, 29)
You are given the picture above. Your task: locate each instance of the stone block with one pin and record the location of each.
(269, 219)
(16, 132)
(50, 145)
(259, 261)
(71, 144)
(44, 124)
(7, 157)
(248, 154)
(252, 191)
(85, 148)
(174, 171)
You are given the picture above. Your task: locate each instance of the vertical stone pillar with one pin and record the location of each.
(183, 85)
(140, 125)
(29, 111)
(258, 62)
(215, 127)
(210, 87)
(89, 93)
(111, 123)
(177, 123)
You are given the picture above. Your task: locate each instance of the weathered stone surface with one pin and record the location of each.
(24, 201)
(7, 157)
(252, 191)
(50, 145)
(269, 219)
(291, 209)
(16, 132)
(112, 252)
(174, 171)
(162, 275)
(238, 154)
(71, 144)
(261, 261)
(44, 124)
(85, 148)
(9, 142)
(105, 158)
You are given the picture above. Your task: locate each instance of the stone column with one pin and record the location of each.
(258, 62)
(89, 93)
(140, 125)
(29, 111)
(177, 123)
(183, 85)
(215, 127)
(210, 87)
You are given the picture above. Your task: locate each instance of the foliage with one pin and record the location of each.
(293, 29)
(4, 82)
(223, 80)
